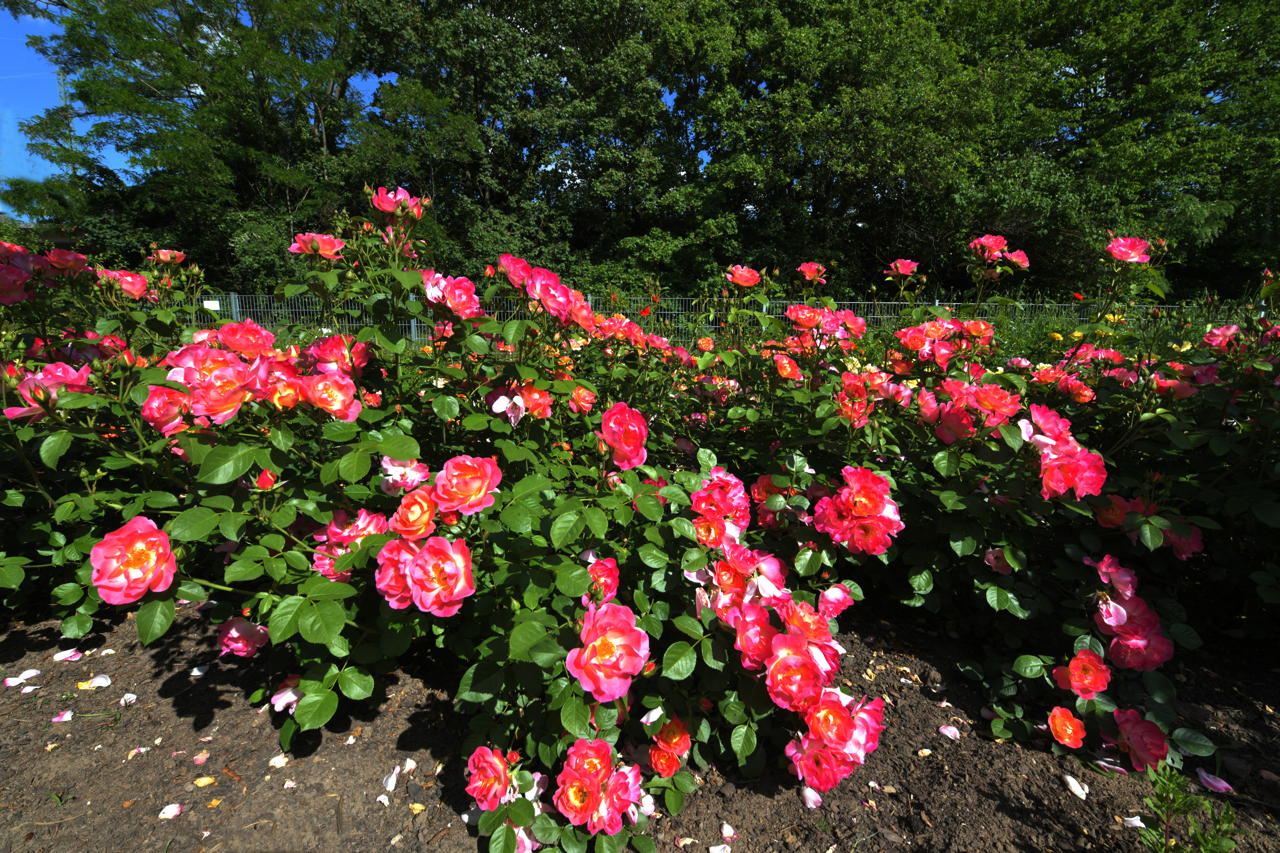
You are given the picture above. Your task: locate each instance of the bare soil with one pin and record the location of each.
(100, 780)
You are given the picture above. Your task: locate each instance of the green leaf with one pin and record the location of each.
(399, 447)
(1159, 687)
(76, 625)
(524, 637)
(340, 432)
(520, 812)
(650, 507)
(1151, 536)
(67, 594)
(1192, 742)
(1012, 436)
(1268, 512)
(565, 528)
(946, 462)
(354, 466)
(315, 709)
(673, 800)
(643, 844)
(445, 407)
(193, 524)
(1185, 636)
(355, 683)
(52, 448)
(11, 572)
(689, 626)
(573, 579)
(153, 619)
(1028, 666)
(679, 661)
(321, 621)
(743, 741)
(283, 621)
(574, 717)
(597, 521)
(225, 463)
(652, 556)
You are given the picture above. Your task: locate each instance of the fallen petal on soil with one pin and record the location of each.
(171, 811)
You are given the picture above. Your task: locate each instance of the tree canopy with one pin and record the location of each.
(643, 143)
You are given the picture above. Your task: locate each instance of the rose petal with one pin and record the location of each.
(200, 757)
(128, 699)
(68, 654)
(1134, 822)
(811, 798)
(29, 688)
(384, 799)
(719, 848)
(410, 765)
(21, 677)
(197, 671)
(95, 682)
(204, 781)
(171, 811)
(289, 783)
(1213, 783)
(949, 731)
(389, 781)
(652, 717)
(62, 717)
(279, 761)
(727, 833)
(1075, 786)
(105, 652)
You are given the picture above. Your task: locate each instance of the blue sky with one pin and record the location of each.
(28, 87)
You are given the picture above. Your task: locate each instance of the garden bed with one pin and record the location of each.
(81, 784)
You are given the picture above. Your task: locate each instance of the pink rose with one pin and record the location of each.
(742, 276)
(466, 484)
(1131, 250)
(625, 431)
(241, 637)
(132, 561)
(902, 267)
(439, 576)
(613, 651)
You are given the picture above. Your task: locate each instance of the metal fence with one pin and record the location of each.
(682, 319)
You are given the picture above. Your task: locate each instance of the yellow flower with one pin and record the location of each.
(1054, 336)
(1077, 335)
(1115, 318)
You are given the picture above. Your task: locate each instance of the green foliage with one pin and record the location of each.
(1185, 820)
(645, 145)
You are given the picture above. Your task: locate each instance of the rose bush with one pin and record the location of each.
(634, 554)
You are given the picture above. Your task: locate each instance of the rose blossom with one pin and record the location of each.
(1066, 728)
(466, 484)
(439, 576)
(324, 245)
(742, 276)
(1141, 739)
(131, 561)
(1131, 250)
(613, 651)
(1086, 675)
(489, 778)
(241, 637)
(625, 431)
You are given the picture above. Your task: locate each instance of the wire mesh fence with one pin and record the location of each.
(680, 319)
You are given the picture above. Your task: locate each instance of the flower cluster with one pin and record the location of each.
(940, 340)
(992, 248)
(860, 515)
(1064, 464)
(245, 368)
(593, 790)
(1137, 640)
(840, 736)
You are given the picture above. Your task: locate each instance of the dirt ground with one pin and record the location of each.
(100, 780)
